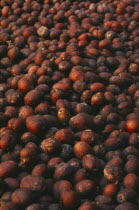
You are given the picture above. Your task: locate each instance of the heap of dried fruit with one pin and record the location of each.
(69, 104)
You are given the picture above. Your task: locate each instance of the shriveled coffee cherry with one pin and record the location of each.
(79, 86)
(91, 163)
(6, 196)
(103, 199)
(15, 97)
(50, 145)
(85, 187)
(7, 140)
(99, 150)
(75, 163)
(66, 151)
(25, 111)
(63, 171)
(43, 31)
(34, 183)
(28, 137)
(126, 195)
(113, 173)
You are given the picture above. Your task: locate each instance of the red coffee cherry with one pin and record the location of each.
(89, 137)
(80, 121)
(132, 165)
(80, 175)
(40, 169)
(91, 163)
(97, 87)
(63, 115)
(81, 149)
(33, 97)
(70, 198)
(14, 53)
(7, 168)
(61, 186)
(64, 136)
(22, 196)
(132, 125)
(36, 123)
(76, 75)
(28, 154)
(131, 181)
(110, 189)
(16, 124)
(24, 85)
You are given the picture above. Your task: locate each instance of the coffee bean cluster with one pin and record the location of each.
(69, 105)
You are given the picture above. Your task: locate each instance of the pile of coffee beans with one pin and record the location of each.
(69, 105)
